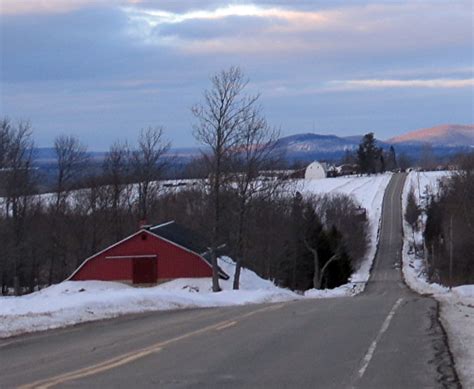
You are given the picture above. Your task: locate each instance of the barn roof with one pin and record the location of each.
(181, 235)
(186, 238)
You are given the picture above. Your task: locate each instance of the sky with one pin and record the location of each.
(104, 69)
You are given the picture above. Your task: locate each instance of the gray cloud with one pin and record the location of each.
(95, 67)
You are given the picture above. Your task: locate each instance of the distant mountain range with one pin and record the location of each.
(309, 146)
(302, 145)
(453, 135)
(445, 140)
(48, 155)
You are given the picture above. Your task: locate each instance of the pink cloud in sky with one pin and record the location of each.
(16, 7)
(377, 28)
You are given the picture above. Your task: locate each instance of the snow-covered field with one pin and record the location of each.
(457, 304)
(74, 302)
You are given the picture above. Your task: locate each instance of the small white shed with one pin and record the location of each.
(315, 171)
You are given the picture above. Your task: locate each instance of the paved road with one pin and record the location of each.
(387, 337)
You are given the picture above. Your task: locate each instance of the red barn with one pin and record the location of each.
(149, 256)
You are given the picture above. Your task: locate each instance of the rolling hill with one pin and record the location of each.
(447, 135)
(446, 140)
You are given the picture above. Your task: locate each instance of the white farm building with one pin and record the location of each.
(315, 171)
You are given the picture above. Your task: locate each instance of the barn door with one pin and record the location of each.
(144, 270)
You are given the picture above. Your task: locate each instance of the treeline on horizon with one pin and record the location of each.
(179, 166)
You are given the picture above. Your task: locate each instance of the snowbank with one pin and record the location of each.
(350, 289)
(73, 302)
(457, 304)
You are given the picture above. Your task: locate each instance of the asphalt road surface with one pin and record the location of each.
(387, 337)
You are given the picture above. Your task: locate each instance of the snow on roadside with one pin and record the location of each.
(349, 289)
(457, 316)
(368, 191)
(457, 304)
(72, 302)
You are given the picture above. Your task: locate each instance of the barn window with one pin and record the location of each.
(143, 236)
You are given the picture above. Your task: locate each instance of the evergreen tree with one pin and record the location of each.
(412, 213)
(391, 159)
(302, 267)
(369, 155)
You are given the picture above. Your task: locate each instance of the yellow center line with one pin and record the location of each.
(224, 326)
(137, 354)
(111, 364)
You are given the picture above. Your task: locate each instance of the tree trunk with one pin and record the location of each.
(238, 267)
(33, 274)
(335, 257)
(316, 276)
(215, 272)
(293, 273)
(215, 233)
(16, 285)
(240, 246)
(52, 264)
(117, 226)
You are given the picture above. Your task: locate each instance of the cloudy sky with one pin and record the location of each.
(103, 69)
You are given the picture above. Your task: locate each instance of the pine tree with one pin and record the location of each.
(369, 155)
(391, 159)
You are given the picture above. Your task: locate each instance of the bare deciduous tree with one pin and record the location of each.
(255, 152)
(89, 204)
(18, 185)
(116, 169)
(148, 165)
(71, 159)
(311, 240)
(449, 226)
(349, 218)
(220, 118)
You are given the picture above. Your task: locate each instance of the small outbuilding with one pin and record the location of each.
(347, 169)
(315, 171)
(150, 256)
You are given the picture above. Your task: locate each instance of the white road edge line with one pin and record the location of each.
(370, 352)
